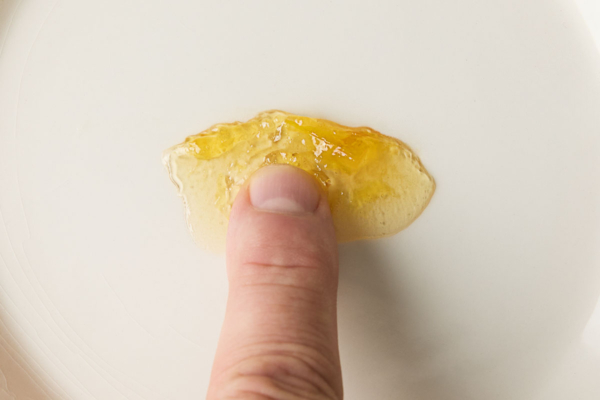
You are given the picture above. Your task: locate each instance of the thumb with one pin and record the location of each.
(279, 337)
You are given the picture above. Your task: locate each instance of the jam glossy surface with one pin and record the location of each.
(376, 186)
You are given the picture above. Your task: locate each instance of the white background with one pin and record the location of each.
(590, 10)
(488, 295)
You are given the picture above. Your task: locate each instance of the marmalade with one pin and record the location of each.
(375, 184)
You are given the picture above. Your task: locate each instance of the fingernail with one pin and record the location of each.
(283, 188)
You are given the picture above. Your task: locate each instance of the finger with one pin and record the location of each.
(279, 337)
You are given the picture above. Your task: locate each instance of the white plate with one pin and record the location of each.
(103, 295)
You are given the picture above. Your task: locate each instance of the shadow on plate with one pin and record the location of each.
(381, 328)
(389, 346)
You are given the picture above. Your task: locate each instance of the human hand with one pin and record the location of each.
(279, 336)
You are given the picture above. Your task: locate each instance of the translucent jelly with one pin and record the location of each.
(376, 186)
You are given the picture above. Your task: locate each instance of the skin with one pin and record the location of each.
(279, 336)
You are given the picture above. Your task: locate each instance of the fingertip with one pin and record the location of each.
(284, 188)
(283, 276)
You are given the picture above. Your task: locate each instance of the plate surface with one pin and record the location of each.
(103, 294)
